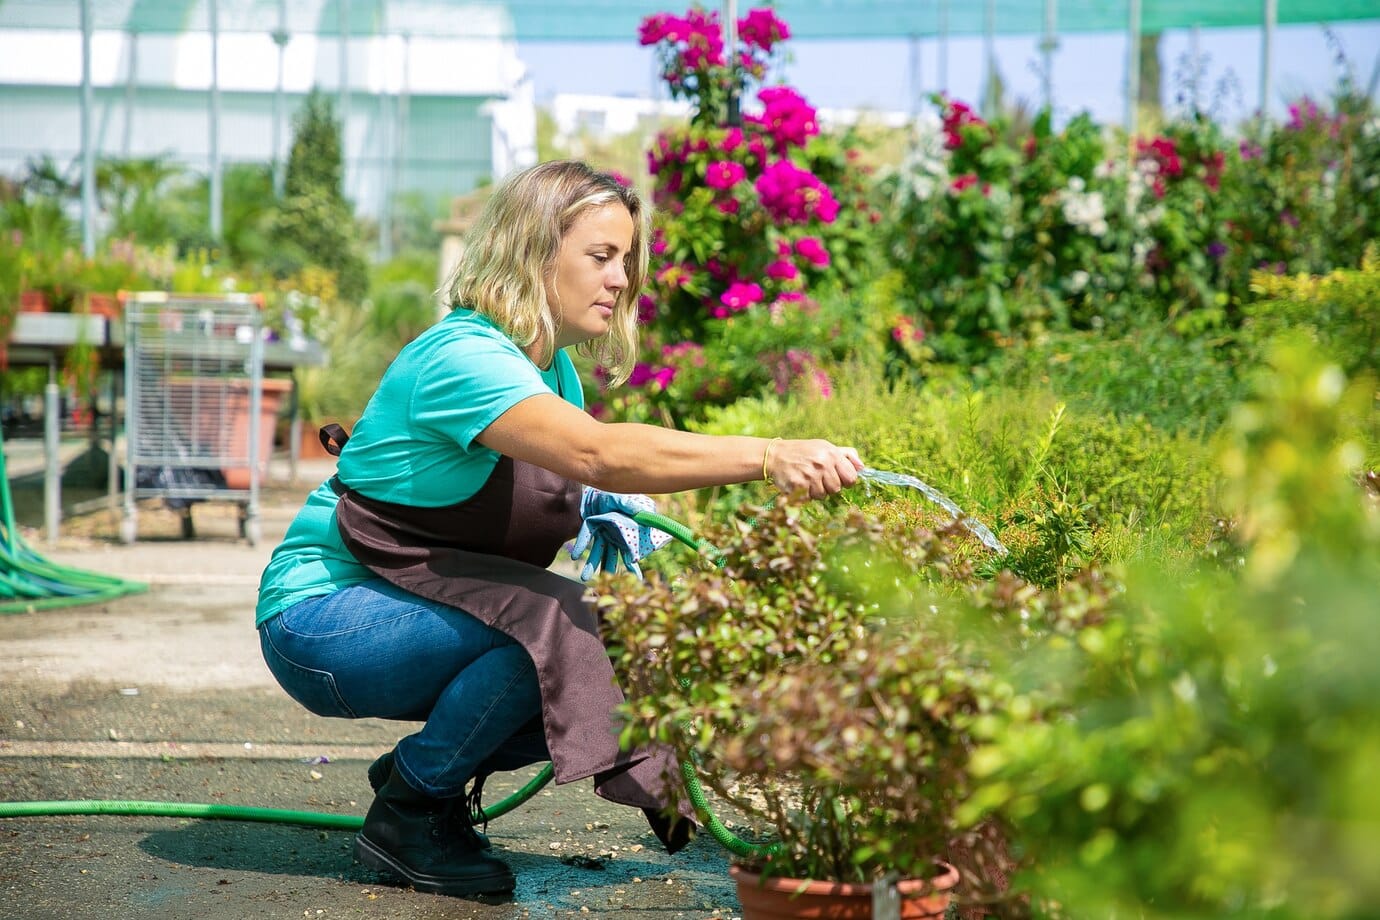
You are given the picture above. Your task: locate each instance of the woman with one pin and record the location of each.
(413, 585)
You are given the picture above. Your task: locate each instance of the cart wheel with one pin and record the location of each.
(129, 529)
(249, 529)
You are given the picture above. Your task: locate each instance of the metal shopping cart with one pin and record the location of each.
(198, 425)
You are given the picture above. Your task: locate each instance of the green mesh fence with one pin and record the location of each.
(616, 20)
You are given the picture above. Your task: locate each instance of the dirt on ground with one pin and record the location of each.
(163, 696)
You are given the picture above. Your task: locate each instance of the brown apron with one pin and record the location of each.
(488, 556)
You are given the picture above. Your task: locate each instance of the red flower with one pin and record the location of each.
(965, 181)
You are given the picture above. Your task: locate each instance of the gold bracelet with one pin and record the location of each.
(766, 455)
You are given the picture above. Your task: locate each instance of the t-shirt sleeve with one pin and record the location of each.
(473, 381)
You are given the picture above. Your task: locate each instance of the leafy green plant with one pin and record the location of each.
(1213, 754)
(804, 679)
(1059, 485)
(760, 219)
(1337, 310)
(315, 224)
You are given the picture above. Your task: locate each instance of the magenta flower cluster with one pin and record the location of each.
(696, 37)
(795, 195)
(786, 117)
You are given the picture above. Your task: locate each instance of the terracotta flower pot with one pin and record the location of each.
(32, 301)
(107, 305)
(215, 416)
(793, 899)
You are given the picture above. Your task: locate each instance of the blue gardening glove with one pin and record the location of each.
(611, 536)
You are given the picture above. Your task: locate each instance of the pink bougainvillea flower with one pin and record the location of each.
(741, 295)
(823, 385)
(646, 309)
(795, 195)
(811, 249)
(724, 174)
(732, 140)
(761, 28)
(704, 43)
(783, 270)
(727, 206)
(662, 27)
(641, 373)
(684, 353)
(786, 117)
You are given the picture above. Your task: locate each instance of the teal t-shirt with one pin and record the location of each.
(414, 445)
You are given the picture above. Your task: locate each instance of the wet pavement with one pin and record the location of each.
(164, 697)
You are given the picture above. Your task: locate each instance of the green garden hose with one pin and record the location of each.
(717, 830)
(28, 582)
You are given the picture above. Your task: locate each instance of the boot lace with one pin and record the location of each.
(474, 807)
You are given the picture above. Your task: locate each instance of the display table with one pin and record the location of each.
(43, 340)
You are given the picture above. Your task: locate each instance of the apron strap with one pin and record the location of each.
(333, 438)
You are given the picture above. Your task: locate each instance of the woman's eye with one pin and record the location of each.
(601, 258)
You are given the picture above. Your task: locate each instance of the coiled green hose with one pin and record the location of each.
(29, 583)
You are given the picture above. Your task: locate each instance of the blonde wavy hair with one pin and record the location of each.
(510, 255)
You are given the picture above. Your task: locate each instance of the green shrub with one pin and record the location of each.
(1060, 488)
(1340, 311)
(1220, 730)
(1175, 383)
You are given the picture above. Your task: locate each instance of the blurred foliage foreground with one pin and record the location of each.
(1162, 703)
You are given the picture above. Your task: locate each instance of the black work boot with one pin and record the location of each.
(380, 769)
(412, 835)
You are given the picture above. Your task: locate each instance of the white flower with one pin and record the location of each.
(1076, 183)
(1078, 280)
(1085, 211)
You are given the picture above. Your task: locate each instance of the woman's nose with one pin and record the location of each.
(617, 278)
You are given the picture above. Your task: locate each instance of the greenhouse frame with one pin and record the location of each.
(211, 82)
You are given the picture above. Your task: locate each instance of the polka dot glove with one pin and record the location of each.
(610, 535)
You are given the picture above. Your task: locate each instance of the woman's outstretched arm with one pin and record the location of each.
(628, 457)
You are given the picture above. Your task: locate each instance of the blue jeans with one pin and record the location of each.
(375, 651)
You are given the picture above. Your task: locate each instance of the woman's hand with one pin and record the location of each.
(816, 467)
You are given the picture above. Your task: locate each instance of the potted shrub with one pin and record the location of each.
(809, 680)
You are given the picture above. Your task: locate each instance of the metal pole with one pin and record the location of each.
(1267, 55)
(280, 38)
(1132, 68)
(1048, 45)
(214, 132)
(915, 77)
(387, 115)
(343, 66)
(52, 466)
(399, 139)
(735, 115)
(990, 100)
(1195, 52)
(131, 78)
(88, 149)
(943, 46)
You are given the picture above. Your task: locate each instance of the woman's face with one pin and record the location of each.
(590, 273)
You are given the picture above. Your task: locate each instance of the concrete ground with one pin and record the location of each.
(163, 696)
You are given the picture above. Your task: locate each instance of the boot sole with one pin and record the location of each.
(494, 883)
